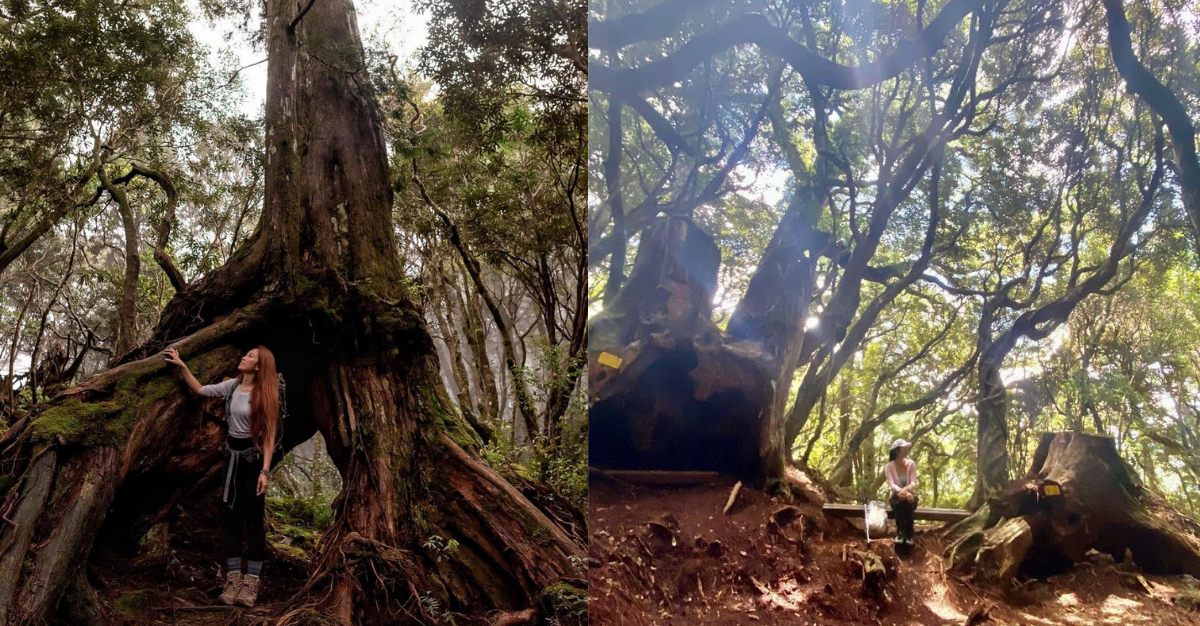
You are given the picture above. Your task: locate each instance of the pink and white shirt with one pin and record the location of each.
(897, 481)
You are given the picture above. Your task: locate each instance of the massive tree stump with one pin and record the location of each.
(666, 391)
(1078, 495)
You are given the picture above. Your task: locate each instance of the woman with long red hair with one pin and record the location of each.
(252, 410)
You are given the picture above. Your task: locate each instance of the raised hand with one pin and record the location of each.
(173, 357)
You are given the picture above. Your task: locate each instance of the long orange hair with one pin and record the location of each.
(264, 400)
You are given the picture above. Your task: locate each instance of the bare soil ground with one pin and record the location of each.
(669, 556)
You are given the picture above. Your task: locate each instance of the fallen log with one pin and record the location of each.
(1004, 549)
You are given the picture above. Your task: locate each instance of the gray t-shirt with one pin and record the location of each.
(239, 411)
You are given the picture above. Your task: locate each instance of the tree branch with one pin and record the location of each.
(1164, 102)
(754, 28)
(300, 16)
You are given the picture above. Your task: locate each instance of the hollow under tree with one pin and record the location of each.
(321, 283)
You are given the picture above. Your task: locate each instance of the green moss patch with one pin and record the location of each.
(443, 414)
(312, 295)
(243, 250)
(1188, 598)
(82, 423)
(460, 432)
(289, 552)
(298, 512)
(296, 525)
(303, 539)
(109, 422)
(564, 603)
(135, 603)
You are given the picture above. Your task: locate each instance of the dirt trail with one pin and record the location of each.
(669, 556)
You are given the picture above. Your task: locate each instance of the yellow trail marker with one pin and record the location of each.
(610, 360)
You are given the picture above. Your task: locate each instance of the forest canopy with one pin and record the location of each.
(963, 223)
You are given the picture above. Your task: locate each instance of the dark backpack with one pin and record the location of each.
(282, 410)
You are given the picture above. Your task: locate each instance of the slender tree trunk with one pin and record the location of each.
(934, 475)
(458, 369)
(476, 334)
(822, 414)
(163, 232)
(616, 200)
(16, 343)
(126, 307)
(844, 406)
(37, 343)
(565, 381)
(992, 428)
(524, 407)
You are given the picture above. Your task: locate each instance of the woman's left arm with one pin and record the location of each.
(268, 452)
(912, 477)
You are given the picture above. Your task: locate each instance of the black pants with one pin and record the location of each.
(903, 511)
(247, 510)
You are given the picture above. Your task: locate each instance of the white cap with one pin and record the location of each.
(900, 443)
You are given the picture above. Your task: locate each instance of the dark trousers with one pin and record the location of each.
(247, 510)
(903, 511)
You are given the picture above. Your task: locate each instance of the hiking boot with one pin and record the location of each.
(249, 591)
(899, 540)
(233, 586)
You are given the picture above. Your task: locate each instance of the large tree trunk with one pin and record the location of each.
(774, 311)
(665, 389)
(320, 283)
(1102, 506)
(1037, 324)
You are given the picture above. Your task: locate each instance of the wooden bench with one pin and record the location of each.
(937, 515)
(660, 478)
